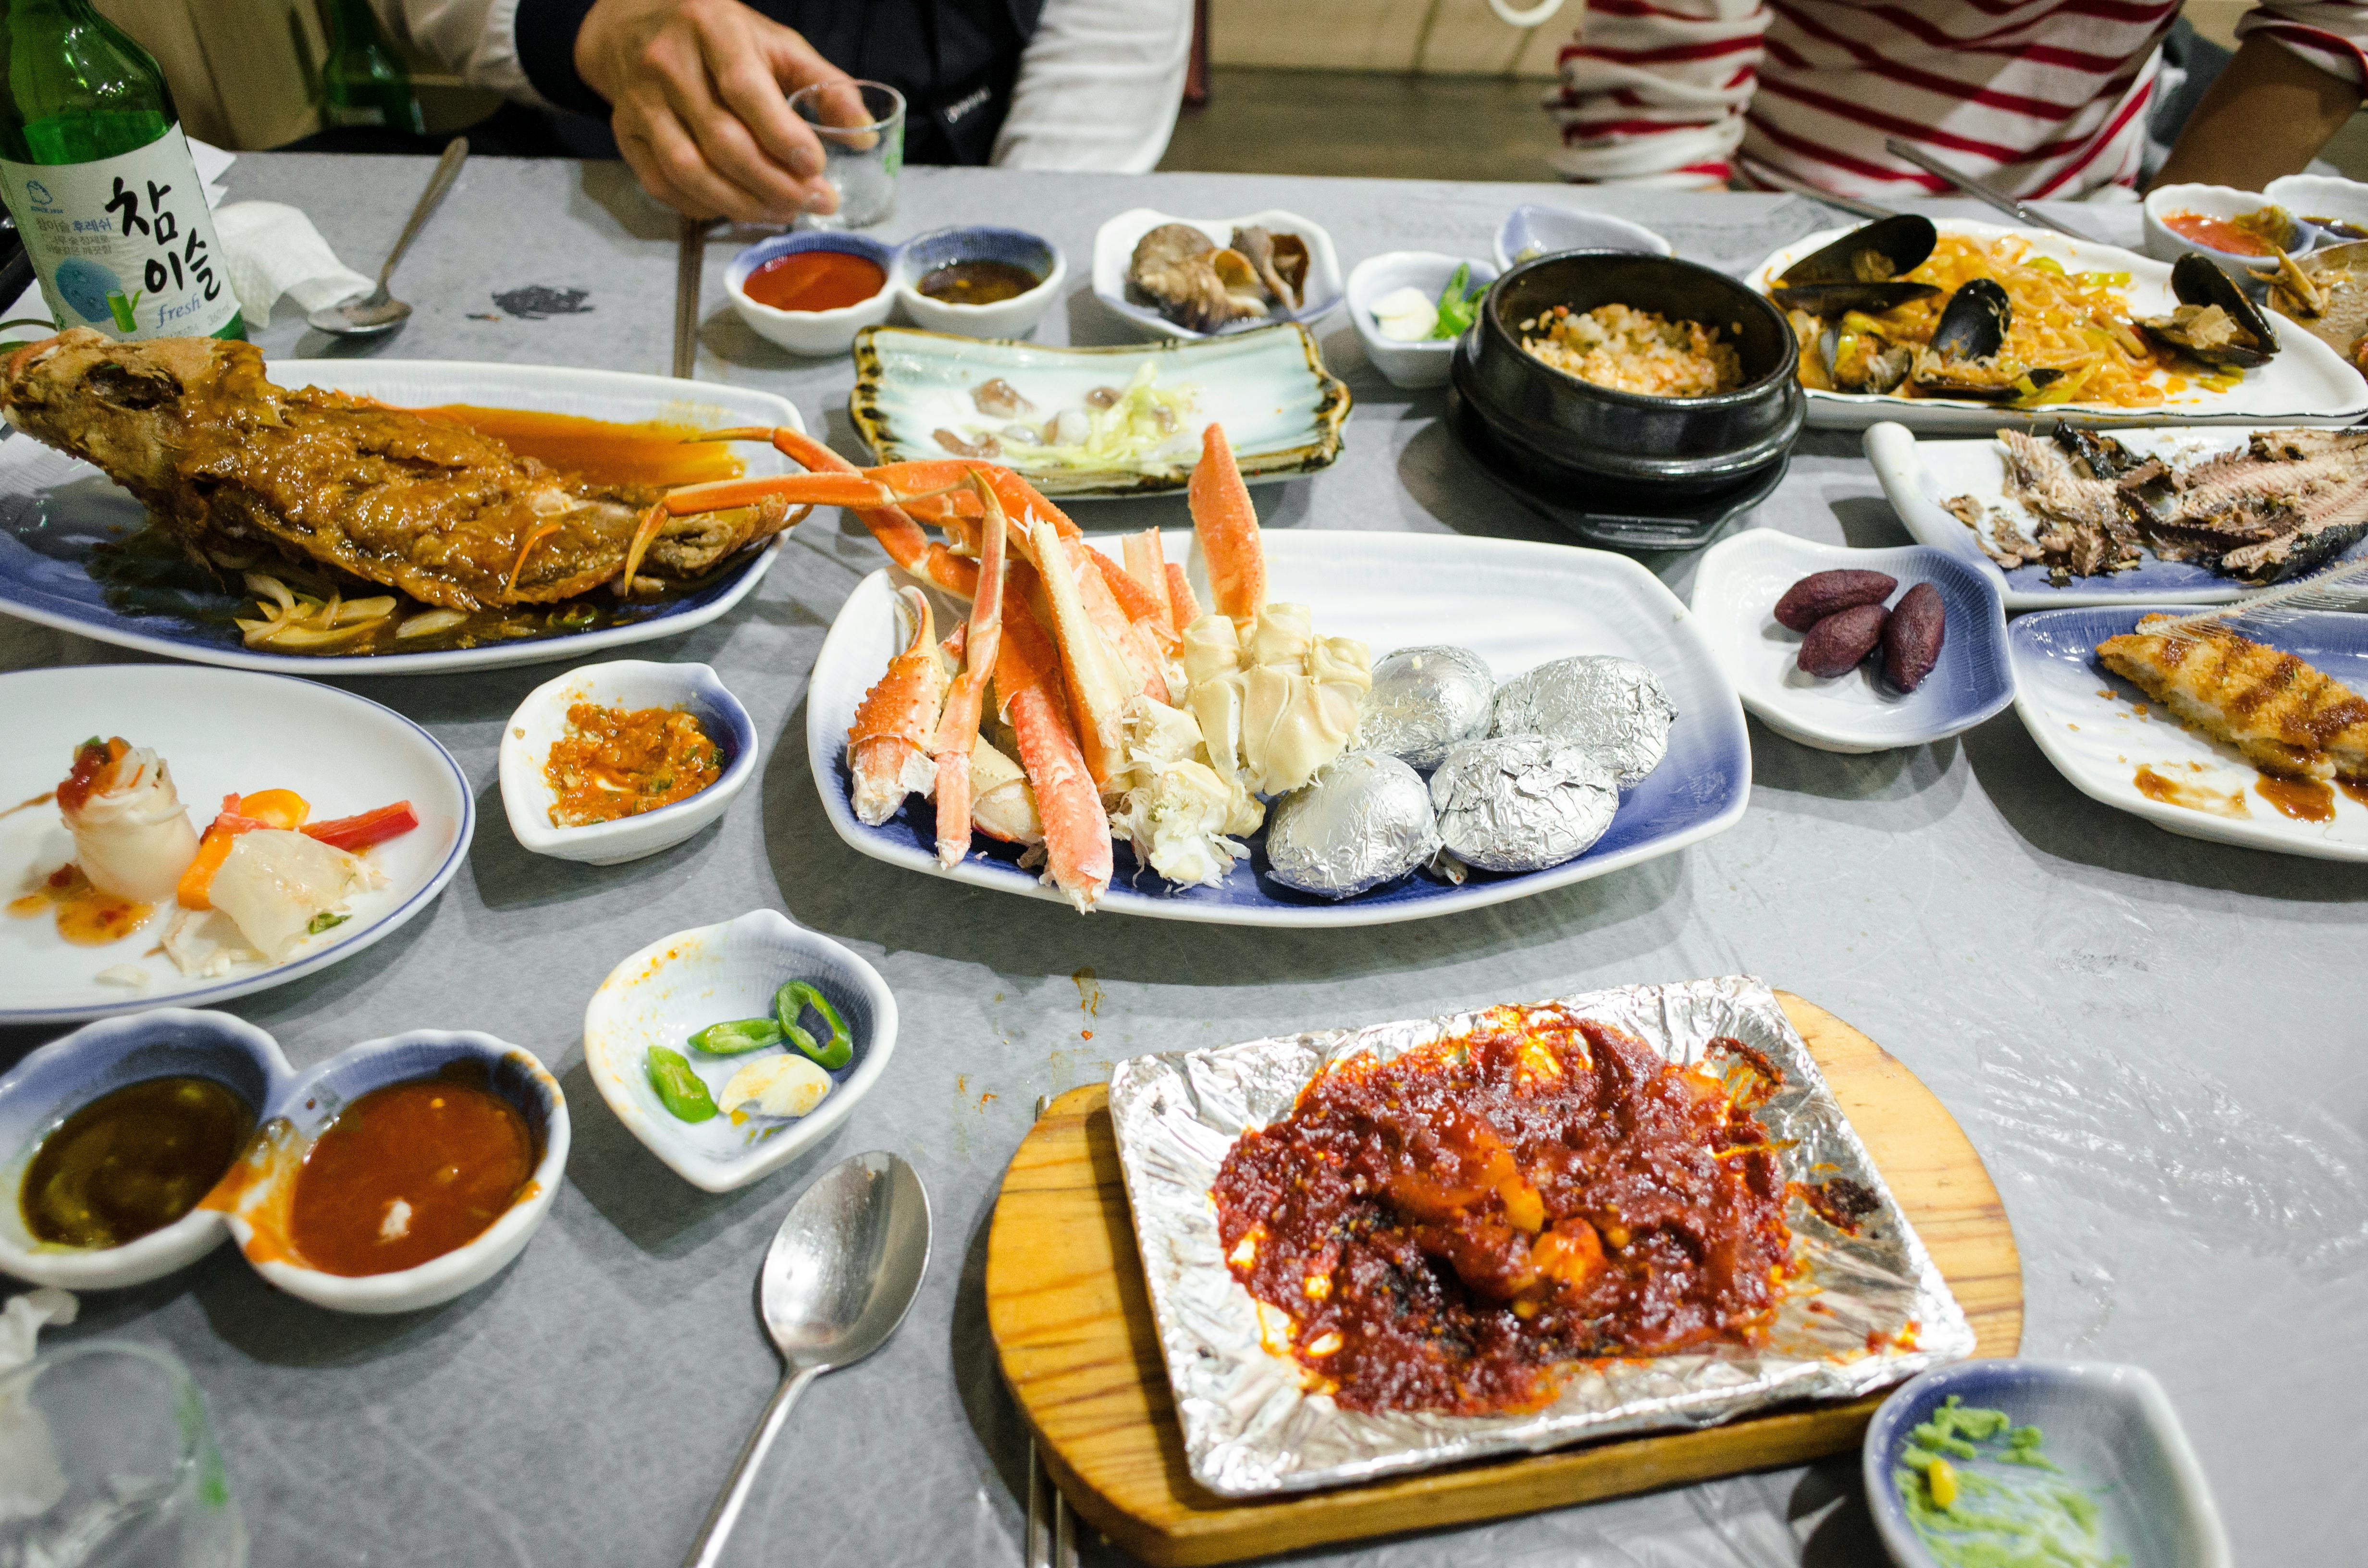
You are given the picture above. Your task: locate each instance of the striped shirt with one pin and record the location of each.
(2048, 97)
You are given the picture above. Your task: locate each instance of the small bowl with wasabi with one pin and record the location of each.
(1405, 315)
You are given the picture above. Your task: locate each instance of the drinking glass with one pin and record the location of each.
(106, 1461)
(861, 128)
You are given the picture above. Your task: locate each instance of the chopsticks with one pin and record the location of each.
(1973, 185)
(1850, 204)
(1052, 1540)
(689, 265)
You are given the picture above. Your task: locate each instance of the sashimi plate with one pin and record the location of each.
(2307, 383)
(1282, 409)
(219, 732)
(2098, 731)
(1516, 604)
(61, 520)
(1918, 476)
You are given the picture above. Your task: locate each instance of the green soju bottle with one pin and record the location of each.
(364, 82)
(97, 173)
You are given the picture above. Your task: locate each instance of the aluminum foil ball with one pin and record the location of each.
(1614, 708)
(1521, 803)
(1423, 701)
(1362, 820)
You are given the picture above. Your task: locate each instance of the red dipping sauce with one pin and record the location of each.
(2218, 232)
(815, 280)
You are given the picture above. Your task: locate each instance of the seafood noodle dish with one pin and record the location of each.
(359, 528)
(2285, 502)
(1457, 1229)
(1899, 309)
(1633, 351)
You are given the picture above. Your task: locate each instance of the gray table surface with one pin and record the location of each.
(2123, 1020)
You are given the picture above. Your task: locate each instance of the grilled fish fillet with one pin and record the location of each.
(2285, 717)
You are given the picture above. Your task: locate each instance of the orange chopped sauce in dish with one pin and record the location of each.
(613, 764)
(2221, 233)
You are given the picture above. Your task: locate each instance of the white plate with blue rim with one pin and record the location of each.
(1919, 476)
(1115, 244)
(75, 552)
(1736, 590)
(1516, 604)
(221, 733)
(1282, 409)
(2117, 746)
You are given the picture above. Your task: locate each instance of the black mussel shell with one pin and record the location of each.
(1833, 299)
(1973, 323)
(1934, 379)
(2197, 281)
(1861, 270)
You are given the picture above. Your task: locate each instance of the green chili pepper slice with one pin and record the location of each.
(739, 1035)
(789, 1004)
(679, 1087)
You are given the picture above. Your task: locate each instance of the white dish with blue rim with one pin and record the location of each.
(631, 685)
(1015, 317)
(2109, 1427)
(60, 520)
(1115, 244)
(221, 732)
(1918, 476)
(1424, 363)
(1282, 409)
(816, 333)
(712, 974)
(1736, 590)
(2309, 196)
(2098, 731)
(1537, 228)
(1516, 604)
(57, 1080)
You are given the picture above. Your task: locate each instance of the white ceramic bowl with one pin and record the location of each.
(629, 683)
(2213, 201)
(1409, 365)
(65, 1076)
(2321, 195)
(712, 974)
(1114, 247)
(819, 334)
(1539, 229)
(1015, 317)
(312, 1101)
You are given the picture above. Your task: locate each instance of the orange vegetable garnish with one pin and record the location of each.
(240, 813)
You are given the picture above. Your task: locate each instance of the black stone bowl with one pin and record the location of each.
(1600, 445)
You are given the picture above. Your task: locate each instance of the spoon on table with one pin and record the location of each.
(841, 1272)
(378, 310)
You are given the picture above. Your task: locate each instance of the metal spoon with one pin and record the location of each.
(841, 1272)
(378, 310)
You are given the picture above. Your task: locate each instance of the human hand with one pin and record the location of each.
(699, 91)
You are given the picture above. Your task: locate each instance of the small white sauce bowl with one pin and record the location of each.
(1543, 230)
(712, 974)
(2321, 195)
(630, 684)
(57, 1080)
(2165, 244)
(819, 334)
(1424, 363)
(923, 255)
(314, 1100)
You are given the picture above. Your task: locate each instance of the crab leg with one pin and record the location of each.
(1225, 526)
(898, 534)
(888, 747)
(1147, 564)
(1026, 689)
(958, 728)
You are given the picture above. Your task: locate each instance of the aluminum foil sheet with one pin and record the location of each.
(1250, 1428)
(1522, 803)
(1362, 820)
(1615, 707)
(1423, 701)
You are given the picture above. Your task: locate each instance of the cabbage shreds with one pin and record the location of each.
(2019, 1510)
(1127, 434)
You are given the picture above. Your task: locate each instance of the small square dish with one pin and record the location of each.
(1736, 587)
(1114, 245)
(1407, 362)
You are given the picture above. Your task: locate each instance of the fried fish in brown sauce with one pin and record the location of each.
(2285, 717)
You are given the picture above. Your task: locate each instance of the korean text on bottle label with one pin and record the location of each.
(125, 244)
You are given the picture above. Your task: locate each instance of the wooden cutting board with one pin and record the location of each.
(1071, 1318)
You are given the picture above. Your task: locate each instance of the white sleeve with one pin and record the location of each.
(475, 39)
(1099, 85)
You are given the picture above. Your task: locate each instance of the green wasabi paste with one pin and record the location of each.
(2019, 1510)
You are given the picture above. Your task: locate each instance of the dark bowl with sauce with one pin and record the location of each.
(264, 1208)
(976, 281)
(1601, 446)
(43, 1092)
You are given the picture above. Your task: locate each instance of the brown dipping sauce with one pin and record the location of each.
(1452, 1230)
(612, 764)
(815, 280)
(133, 1160)
(405, 1174)
(2194, 797)
(978, 282)
(603, 450)
(2304, 799)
